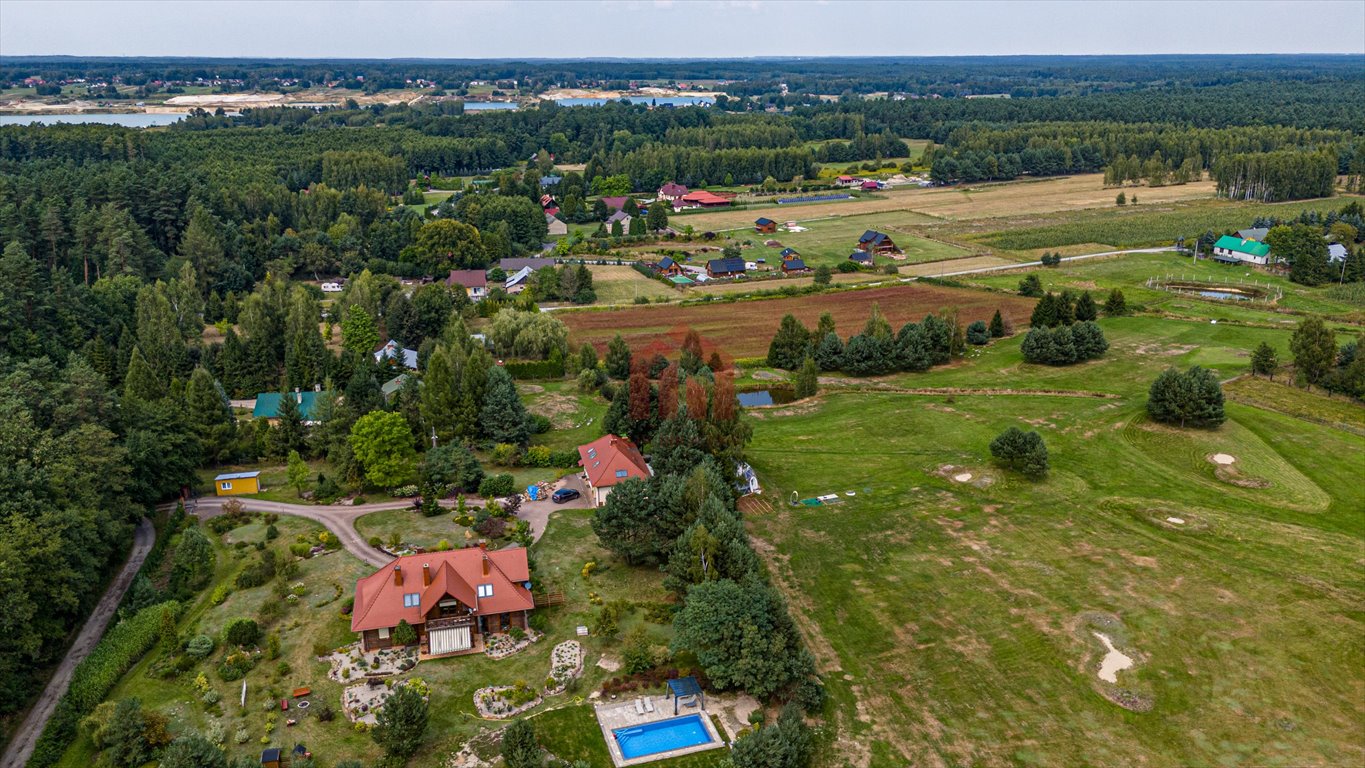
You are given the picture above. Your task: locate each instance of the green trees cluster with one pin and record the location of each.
(876, 350)
(1023, 452)
(1191, 398)
(1271, 177)
(1304, 249)
(1318, 361)
(1065, 344)
(569, 282)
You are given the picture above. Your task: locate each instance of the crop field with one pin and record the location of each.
(952, 607)
(1067, 193)
(744, 328)
(830, 241)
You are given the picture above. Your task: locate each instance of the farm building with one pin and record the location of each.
(875, 242)
(701, 199)
(235, 483)
(789, 253)
(861, 257)
(870, 186)
(1235, 250)
(512, 265)
(1255, 233)
(474, 282)
(450, 598)
(516, 281)
(794, 265)
(268, 405)
(765, 225)
(725, 267)
(672, 191)
(609, 460)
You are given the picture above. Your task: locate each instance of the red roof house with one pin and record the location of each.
(474, 282)
(609, 460)
(451, 598)
(672, 191)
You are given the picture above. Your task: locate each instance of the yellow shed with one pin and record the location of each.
(235, 483)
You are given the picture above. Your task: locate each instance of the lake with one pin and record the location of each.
(673, 101)
(130, 120)
(485, 106)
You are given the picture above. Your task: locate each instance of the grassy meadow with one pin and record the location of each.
(954, 617)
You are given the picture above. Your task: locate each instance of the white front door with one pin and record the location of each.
(450, 640)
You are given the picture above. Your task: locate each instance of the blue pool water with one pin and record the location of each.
(653, 738)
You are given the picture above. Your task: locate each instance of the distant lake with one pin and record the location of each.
(674, 101)
(481, 106)
(133, 120)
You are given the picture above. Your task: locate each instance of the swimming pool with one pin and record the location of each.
(653, 738)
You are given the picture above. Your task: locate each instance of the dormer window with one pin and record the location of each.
(412, 600)
(485, 590)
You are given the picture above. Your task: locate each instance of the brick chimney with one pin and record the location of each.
(398, 575)
(486, 565)
(426, 575)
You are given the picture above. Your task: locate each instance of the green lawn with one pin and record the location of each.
(575, 417)
(1130, 273)
(956, 600)
(953, 620)
(830, 241)
(412, 528)
(558, 560)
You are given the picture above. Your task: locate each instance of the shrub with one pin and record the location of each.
(538, 424)
(517, 633)
(199, 646)
(241, 631)
(978, 334)
(94, 677)
(1064, 345)
(506, 455)
(1021, 451)
(497, 485)
(1193, 398)
(404, 634)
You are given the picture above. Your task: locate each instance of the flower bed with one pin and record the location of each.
(500, 645)
(498, 702)
(566, 663)
(362, 702)
(349, 663)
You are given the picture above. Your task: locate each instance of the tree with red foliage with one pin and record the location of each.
(696, 399)
(691, 360)
(668, 392)
(639, 397)
(723, 401)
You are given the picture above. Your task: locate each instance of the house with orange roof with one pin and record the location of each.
(452, 599)
(609, 460)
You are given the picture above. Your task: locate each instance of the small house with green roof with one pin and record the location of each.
(1236, 250)
(394, 385)
(268, 405)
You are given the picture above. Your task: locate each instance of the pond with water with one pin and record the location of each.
(129, 119)
(762, 397)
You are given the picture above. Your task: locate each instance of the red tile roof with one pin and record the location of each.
(672, 189)
(702, 197)
(455, 573)
(609, 460)
(469, 278)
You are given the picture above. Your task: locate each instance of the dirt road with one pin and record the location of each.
(20, 749)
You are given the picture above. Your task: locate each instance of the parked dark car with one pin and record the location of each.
(564, 494)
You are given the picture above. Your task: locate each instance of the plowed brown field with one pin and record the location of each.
(743, 329)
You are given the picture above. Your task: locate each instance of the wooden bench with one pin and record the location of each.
(301, 692)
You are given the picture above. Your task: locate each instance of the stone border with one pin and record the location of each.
(496, 690)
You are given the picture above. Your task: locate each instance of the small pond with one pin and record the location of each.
(762, 397)
(1225, 295)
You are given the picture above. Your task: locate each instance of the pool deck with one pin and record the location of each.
(613, 715)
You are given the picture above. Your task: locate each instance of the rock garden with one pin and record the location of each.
(362, 702)
(498, 702)
(498, 646)
(350, 663)
(566, 664)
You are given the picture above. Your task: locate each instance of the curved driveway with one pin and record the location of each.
(20, 749)
(340, 519)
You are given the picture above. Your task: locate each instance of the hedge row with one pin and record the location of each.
(118, 651)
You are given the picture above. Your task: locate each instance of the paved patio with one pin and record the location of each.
(622, 714)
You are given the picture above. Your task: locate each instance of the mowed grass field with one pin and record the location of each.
(622, 285)
(744, 328)
(830, 241)
(1066, 193)
(954, 621)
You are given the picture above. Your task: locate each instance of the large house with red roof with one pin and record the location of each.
(609, 460)
(672, 191)
(451, 598)
(700, 199)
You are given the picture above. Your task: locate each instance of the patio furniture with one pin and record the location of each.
(649, 705)
(639, 708)
(686, 691)
(301, 692)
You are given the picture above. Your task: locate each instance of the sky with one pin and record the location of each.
(669, 29)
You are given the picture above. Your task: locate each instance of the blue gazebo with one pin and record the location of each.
(686, 687)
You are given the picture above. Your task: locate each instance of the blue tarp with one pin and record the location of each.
(533, 492)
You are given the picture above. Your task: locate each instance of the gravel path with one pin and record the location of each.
(26, 736)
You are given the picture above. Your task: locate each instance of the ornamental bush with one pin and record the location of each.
(1021, 451)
